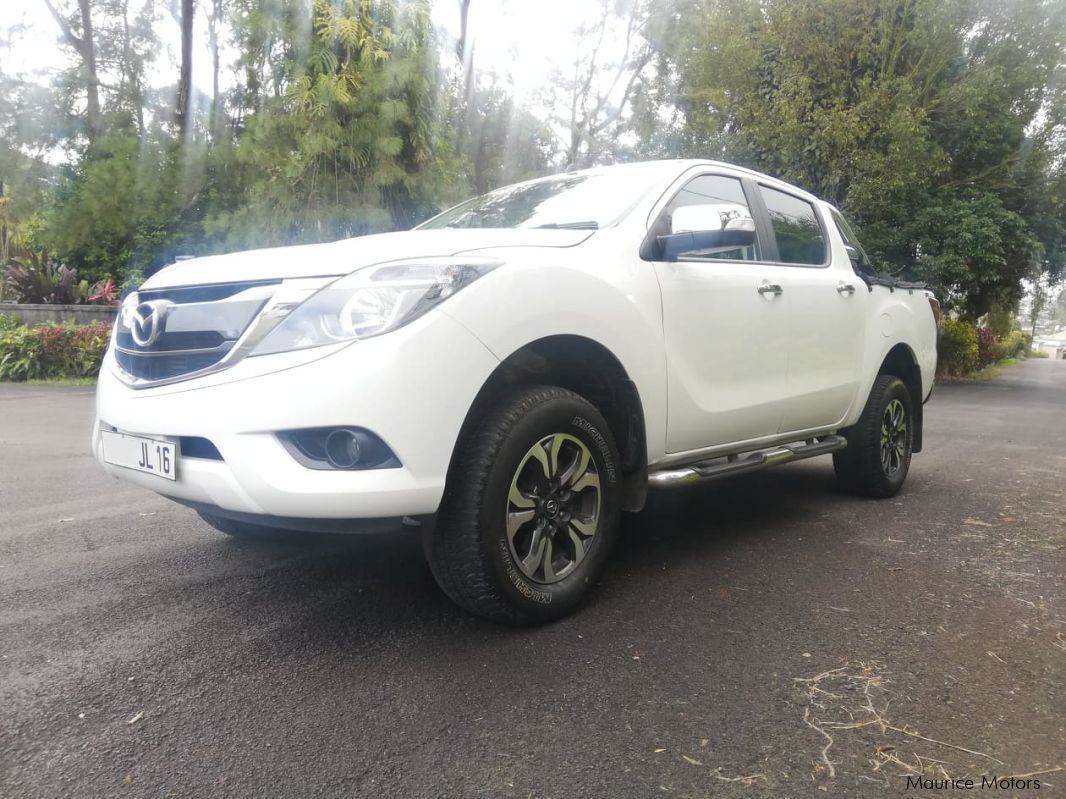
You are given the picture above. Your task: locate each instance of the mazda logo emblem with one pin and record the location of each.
(148, 321)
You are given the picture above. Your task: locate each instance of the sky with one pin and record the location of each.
(526, 38)
(40, 48)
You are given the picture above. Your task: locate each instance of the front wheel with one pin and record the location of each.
(531, 509)
(878, 456)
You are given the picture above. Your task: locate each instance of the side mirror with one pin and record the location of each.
(698, 228)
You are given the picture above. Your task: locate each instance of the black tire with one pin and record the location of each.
(244, 530)
(470, 553)
(861, 468)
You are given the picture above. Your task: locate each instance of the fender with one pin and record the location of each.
(617, 308)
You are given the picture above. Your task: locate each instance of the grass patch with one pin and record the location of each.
(990, 372)
(62, 381)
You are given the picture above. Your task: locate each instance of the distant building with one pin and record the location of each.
(1054, 344)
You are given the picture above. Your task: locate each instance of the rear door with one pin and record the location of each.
(827, 308)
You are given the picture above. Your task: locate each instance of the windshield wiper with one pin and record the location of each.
(589, 225)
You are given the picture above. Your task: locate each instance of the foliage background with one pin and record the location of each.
(939, 126)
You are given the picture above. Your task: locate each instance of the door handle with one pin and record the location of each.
(770, 288)
(845, 288)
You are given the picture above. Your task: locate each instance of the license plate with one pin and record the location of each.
(149, 455)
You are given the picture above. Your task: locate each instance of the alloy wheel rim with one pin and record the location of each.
(553, 508)
(893, 438)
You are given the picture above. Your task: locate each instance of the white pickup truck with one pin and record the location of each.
(517, 371)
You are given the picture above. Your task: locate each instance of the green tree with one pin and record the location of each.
(915, 116)
(341, 133)
(502, 142)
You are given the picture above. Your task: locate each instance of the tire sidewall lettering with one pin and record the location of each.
(590, 430)
(523, 587)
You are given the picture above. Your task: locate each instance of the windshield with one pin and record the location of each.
(581, 200)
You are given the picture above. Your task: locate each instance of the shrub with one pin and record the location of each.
(52, 351)
(1041, 354)
(9, 321)
(1000, 320)
(18, 354)
(72, 350)
(958, 347)
(986, 348)
(38, 280)
(1015, 344)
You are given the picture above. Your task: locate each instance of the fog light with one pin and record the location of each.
(342, 449)
(338, 448)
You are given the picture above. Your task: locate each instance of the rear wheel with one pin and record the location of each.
(878, 456)
(531, 509)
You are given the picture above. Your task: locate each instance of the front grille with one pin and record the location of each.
(165, 367)
(185, 340)
(200, 326)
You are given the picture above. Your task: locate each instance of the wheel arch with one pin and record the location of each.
(903, 363)
(591, 370)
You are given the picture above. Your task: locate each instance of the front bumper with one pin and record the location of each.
(412, 387)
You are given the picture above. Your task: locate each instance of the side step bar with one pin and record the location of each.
(729, 465)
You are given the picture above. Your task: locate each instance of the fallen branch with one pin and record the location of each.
(825, 749)
(868, 678)
(748, 779)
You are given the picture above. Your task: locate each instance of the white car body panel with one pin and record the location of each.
(347, 255)
(727, 351)
(240, 416)
(719, 368)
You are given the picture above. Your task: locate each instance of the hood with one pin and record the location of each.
(342, 257)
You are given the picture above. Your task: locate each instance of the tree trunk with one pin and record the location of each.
(85, 45)
(4, 250)
(92, 80)
(131, 78)
(214, 23)
(184, 110)
(464, 17)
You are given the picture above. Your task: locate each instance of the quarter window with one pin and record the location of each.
(799, 236)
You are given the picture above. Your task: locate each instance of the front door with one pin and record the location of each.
(726, 330)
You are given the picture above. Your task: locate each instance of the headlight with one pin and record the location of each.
(371, 301)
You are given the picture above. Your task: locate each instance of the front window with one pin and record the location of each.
(727, 195)
(581, 200)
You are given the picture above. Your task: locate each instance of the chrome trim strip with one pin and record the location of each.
(223, 347)
(729, 465)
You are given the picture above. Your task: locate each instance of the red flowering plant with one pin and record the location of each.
(105, 292)
(986, 347)
(72, 350)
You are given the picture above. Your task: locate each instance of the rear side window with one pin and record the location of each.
(861, 264)
(799, 236)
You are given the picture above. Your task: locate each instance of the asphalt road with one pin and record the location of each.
(765, 636)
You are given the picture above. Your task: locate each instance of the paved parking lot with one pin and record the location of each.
(763, 636)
